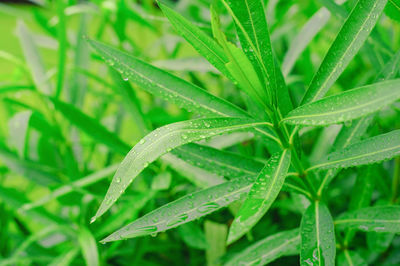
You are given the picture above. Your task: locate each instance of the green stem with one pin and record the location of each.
(285, 137)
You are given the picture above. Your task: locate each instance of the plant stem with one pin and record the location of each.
(285, 137)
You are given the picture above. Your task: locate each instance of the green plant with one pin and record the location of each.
(306, 177)
(256, 72)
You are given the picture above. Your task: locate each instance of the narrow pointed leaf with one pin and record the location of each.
(349, 40)
(38, 173)
(216, 236)
(65, 189)
(228, 164)
(33, 59)
(352, 134)
(163, 140)
(239, 65)
(165, 85)
(203, 43)
(89, 247)
(185, 209)
(90, 126)
(263, 193)
(253, 33)
(367, 151)
(220, 162)
(286, 243)
(372, 219)
(347, 105)
(318, 245)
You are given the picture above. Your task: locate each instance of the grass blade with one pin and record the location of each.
(165, 85)
(184, 210)
(349, 40)
(263, 193)
(284, 243)
(346, 106)
(317, 236)
(163, 140)
(367, 151)
(372, 219)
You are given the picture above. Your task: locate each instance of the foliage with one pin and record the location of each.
(174, 127)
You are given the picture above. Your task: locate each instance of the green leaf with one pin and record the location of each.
(367, 151)
(391, 68)
(203, 43)
(40, 174)
(19, 131)
(62, 46)
(185, 209)
(284, 243)
(263, 193)
(392, 9)
(303, 38)
(223, 163)
(88, 247)
(353, 133)
(216, 236)
(318, 245)
(254, 37)
(65, 189)
(90, 126)
(349, 40)
(239, 65)
(165, 85)
(33, 58)
(228, 164)
(163, 140)
(379, 242)
(15, 199)
(347, 105)
(372, 219)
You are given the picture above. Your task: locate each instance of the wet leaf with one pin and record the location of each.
(347, 105)
(318, 246)
(263, 193)
(349, 40)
